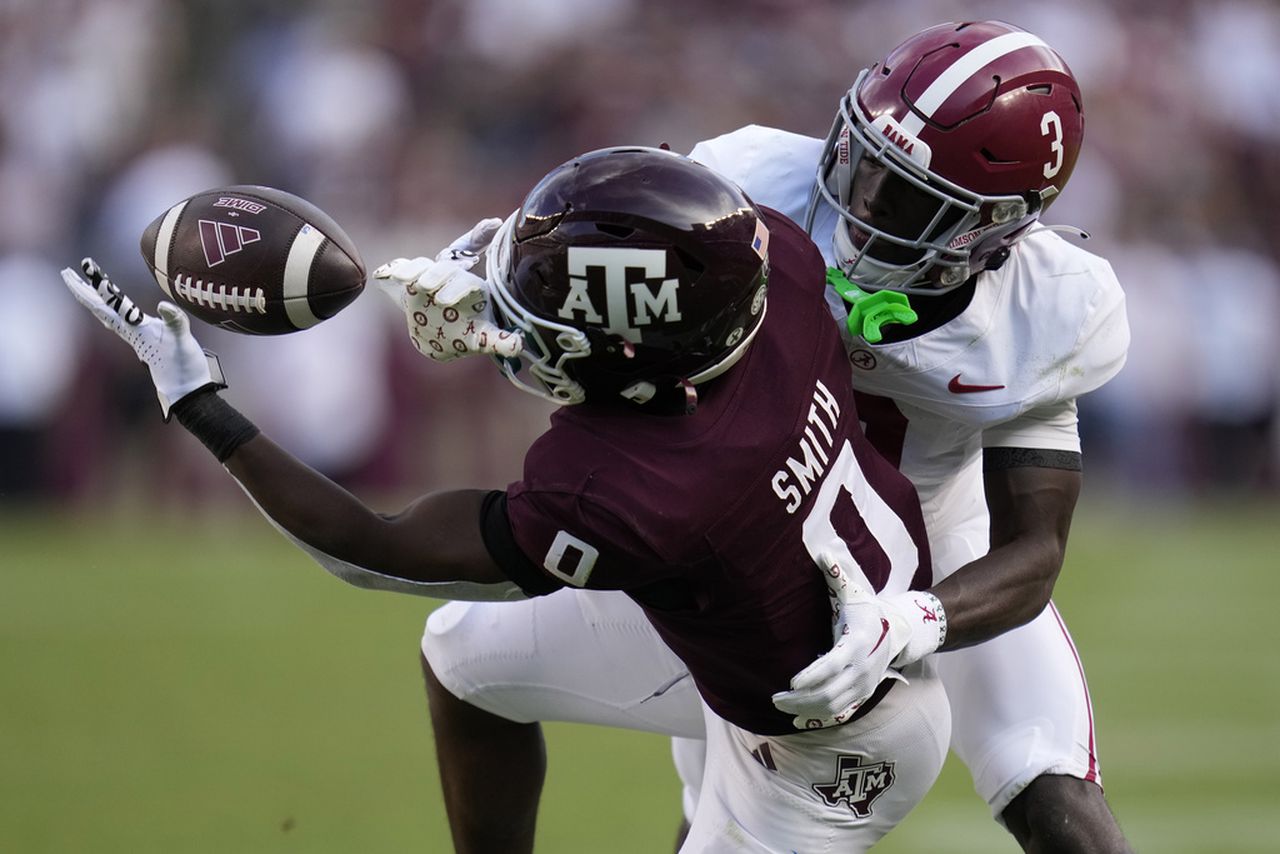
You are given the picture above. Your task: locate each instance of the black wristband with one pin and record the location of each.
(216, 423)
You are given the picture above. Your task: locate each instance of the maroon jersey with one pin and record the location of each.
(713, 521)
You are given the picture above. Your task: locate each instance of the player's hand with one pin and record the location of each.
(874, 635)
(445, 305)
(164, 344)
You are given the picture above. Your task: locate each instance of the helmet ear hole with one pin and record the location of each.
(693, 265)
(621, 232)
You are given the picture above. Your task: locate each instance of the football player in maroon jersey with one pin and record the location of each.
(707, 457)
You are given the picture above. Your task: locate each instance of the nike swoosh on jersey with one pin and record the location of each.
(957, 387)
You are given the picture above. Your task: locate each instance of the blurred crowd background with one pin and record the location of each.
(408, 120)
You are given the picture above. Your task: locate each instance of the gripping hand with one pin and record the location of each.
(874, 635)
(164, 344)
(445, 305)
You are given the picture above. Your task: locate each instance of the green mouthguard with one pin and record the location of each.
(868, 312)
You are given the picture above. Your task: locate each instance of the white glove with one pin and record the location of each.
(445, 306)
(874, 637)
(165, 344)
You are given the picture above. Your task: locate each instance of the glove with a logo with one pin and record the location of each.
(164, 344)
(875, 636)
(445, 305)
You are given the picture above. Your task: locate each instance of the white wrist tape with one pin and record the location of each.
(921, 614)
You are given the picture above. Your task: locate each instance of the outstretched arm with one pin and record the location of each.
(435, 540)
(434, 547)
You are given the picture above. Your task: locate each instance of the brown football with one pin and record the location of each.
(254, 260)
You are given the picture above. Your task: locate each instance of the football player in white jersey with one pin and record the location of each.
(972, 329)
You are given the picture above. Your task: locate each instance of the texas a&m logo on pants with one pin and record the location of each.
(857, 785)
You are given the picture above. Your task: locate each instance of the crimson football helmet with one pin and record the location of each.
(631, 272)
(943, 154)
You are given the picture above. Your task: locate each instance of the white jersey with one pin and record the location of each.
(1045, 328)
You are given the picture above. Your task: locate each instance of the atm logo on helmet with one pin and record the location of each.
(915, 148)
(630, 300)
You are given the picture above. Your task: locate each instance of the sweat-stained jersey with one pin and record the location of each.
(712, 522)
(1045, 328)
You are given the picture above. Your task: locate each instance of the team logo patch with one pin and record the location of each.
(863, 359)
(220, 239)
(856, 785)
(636, 291)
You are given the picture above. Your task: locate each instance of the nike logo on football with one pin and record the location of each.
(957, 387)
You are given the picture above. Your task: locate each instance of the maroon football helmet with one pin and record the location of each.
(630, 271)
(945, 152)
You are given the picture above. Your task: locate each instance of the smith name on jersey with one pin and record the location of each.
(712, 521)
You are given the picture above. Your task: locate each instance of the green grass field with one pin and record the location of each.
(195, 685)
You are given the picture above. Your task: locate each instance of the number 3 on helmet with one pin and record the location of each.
(945, 152)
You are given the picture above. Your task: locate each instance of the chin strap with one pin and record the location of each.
(690, 397)
(869, 311)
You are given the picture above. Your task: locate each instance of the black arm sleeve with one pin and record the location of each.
(495, 530)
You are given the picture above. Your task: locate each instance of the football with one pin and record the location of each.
(253, 260)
